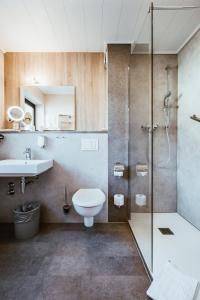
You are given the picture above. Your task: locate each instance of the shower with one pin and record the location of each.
(172, 182)
(167, 105)
(166, 110)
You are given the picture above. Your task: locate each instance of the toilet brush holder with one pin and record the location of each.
(66, 208)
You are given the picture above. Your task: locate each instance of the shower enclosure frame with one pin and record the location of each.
(151, 128)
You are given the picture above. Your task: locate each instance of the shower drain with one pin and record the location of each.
(166, 231)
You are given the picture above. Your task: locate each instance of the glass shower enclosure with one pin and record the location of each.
(164, 155)
(141, 141)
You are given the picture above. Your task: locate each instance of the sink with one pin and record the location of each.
(25, 168)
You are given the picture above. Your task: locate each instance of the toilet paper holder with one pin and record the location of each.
(141, 170)
(118, 200)
(119, 169)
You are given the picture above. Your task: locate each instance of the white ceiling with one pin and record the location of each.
(86, 25)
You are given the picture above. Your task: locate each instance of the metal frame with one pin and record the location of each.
(151, 133)
(153, 8)
(174, 7)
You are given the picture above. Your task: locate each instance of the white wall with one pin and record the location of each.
(72, 167)
(56, 105)
(189, 132)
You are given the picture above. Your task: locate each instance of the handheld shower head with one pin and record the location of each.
(167, 95)
(166, 98)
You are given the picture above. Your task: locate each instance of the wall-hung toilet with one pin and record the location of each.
(88, 203)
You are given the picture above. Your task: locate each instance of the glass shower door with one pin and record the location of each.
(176, 110)
(140, 141)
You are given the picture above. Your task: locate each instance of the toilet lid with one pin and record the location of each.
(88, 197)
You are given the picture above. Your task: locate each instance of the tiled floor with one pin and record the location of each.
(73, 263)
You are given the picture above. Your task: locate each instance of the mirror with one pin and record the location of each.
(15, 115)
(48, 107)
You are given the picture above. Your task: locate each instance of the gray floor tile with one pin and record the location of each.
(115, 287)
(68, 261)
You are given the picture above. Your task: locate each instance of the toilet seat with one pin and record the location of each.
(88, 197)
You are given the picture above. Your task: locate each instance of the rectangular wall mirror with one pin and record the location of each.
(48, 107)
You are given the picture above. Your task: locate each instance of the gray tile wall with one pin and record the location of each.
(189, 132)
(139, 115)
(165, 174)
(118, 124)
(165, 198)
(72, 167)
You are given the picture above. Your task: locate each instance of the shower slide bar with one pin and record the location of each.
(195, 118)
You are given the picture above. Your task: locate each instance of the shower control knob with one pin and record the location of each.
(155, 127)
(148, 128)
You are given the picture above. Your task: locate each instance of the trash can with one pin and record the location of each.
(26, 220)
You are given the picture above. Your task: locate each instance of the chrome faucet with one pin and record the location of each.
(27, 152)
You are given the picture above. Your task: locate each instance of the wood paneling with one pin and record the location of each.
(2, 90)
(83, 70)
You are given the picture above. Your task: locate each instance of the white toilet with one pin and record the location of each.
(88, 203)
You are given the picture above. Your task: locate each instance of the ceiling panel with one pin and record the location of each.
(42, 26)
(59, 20)
(110, 19)
(85, 25)
(127, 21)
(14, 34)
(172, 28)
(93, 11)
(76, 16)
(188, 24)
(142, 24)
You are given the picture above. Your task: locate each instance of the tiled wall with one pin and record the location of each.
(164, 174)
(189, 132)
(139, 115)
(125, 128)
(72, 167)
(118, 124)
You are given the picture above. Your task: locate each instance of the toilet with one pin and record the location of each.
(88, 203)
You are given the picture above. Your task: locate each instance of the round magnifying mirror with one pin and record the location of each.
(15, 114)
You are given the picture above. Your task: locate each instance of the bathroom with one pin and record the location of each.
(99, 119)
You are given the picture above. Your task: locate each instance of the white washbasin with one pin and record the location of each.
(18, 168)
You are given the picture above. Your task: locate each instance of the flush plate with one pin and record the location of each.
(89, 144)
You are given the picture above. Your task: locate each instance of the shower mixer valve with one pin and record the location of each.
(148, 128)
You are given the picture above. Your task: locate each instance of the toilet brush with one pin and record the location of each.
(66, 206)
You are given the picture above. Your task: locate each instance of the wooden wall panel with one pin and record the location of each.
(83, 70)
(2, 123)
